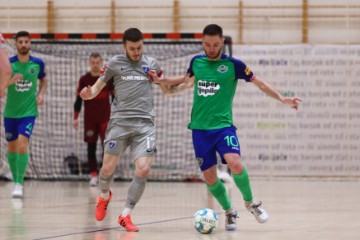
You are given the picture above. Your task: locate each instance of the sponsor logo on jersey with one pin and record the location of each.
(23, 86)
(207, 88)
(112, 144)
(222, 69)
(134, 78)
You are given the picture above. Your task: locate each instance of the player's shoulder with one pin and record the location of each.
(14, 59)
(117, 59)
(36, 60)
(85, 76)
(235, 61)
(199, 56)
(147, 58)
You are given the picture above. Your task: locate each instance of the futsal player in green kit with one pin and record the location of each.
(214, 77)
(21, 108)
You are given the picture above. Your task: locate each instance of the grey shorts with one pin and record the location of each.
(138, 133)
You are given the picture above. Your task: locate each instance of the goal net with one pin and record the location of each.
(57, 151)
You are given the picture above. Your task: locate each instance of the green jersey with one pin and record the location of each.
(214, 90)
(21, 96)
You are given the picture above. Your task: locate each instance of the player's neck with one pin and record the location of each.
(94, 74)
(23, 58)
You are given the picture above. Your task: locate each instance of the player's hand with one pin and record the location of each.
(76, 124)
(153, 77)
(294, 102)
(40, 100)
(86, 93)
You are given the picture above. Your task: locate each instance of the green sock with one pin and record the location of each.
(21, 167)
(243, 183)
(12, 160)
(219, 192)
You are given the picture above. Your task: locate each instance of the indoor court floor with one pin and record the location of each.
(298, 209)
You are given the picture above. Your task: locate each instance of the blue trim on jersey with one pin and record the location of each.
(39, 61)
(239, 66)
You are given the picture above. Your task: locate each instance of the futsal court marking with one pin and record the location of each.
(112, 228)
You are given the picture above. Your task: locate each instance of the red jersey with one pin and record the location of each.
(98, 108)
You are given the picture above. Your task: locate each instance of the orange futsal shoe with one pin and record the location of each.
(101, 207)
(127, 223)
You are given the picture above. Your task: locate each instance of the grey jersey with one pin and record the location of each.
(134, 95)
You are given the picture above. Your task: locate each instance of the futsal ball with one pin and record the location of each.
(205, 221)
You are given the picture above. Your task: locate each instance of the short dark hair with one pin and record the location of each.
(213, 30)
(22, 34)
(132, 35)
(95, 55)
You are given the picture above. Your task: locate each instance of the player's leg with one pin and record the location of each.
(91, 132)
(20, 146)
(205, 152)
(106, 179)
(229, 149)
(11, 134)
(114, 146)
(143, 150)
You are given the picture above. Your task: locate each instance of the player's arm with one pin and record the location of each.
(5, 70)
(170, 90)
(77, 106)
(272, 92)
(42, 90)
(173, 85)
(89, 92)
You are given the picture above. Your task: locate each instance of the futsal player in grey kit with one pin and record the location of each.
(131, 122)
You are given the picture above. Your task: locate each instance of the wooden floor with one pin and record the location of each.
(298, 209)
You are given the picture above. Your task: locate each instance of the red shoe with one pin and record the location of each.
(101, 207)
(127, 223)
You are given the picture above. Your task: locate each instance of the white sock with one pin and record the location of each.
(126, 212)
(105, 196)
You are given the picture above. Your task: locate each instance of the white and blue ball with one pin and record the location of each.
(205, 221)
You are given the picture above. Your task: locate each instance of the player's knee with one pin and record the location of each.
(143, 171)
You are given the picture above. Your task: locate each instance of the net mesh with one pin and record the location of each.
(54, 139)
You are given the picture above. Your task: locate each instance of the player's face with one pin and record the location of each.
(212, 46)
(134, 50)
(95, 64)
(23, 45)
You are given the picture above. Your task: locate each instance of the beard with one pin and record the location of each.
(213, 57)
(23, 51)
(137, 60)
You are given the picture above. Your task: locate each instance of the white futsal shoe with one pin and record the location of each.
(94, 180)
(259, 213)
(18, 191)
(230, 219)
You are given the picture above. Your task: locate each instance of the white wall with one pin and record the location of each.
(156, 16)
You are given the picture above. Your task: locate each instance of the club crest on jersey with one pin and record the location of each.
(112, 144)
(146, 69)
(32, 71)
(222, 69)
(200, 161)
